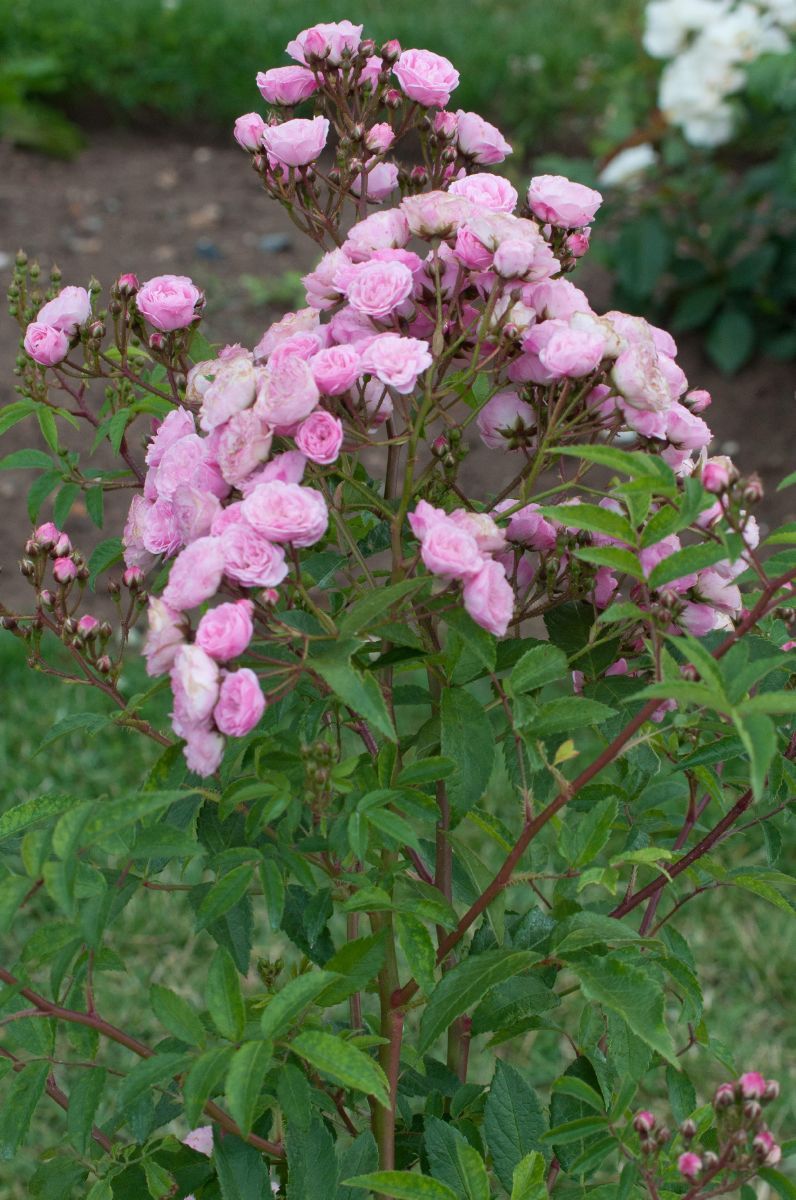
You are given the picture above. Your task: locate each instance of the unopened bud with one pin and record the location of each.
(689, 672)
(46, 598)
(644, 1122)
(133, 578)
(88, 626)
(116, 308)
(8, 623)
(752, 1110)
(418, 176)
(113, 587)
(21, 258)
(96, 331)
(367, 48)
(104, 664)
(393, 98)
(357, 133)
(688, 1129)
(269, 596)
(127, 284)
(448, 155)
(440, 446)
(62, 547)
(668, 598)
(771, 1092)
(27, 568)
(32, 548)
(724, 1096)
(47, 534)
(83, 573)
(156, 341)
(391, 51)
(753, 490)
(106, 629)
(663, 1135)
(709, 1160)
(70, 626)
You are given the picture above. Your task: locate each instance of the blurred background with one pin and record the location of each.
(116, 155)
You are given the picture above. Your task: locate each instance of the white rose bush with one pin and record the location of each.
(445, 764)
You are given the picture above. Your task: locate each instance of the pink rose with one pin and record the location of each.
(435, 214)
(300, 345)
(200, 1139)
(70, 309)
(489, 599)
(320, 437)
(379, 137)
(572, 353)
(528, 527)
(514, 258)
(47, 534)
(378, 288)
(605, 585)
(225, 632)
(686, 430)
(194, 683)
(195, 574)
(194, 512)
(169, 301)
(768, 1151)
(188, 462)
(204, 750)
(506, 422)
(306, 320)
(241, 703)
(381, 178)
(231, 385)
(332, 40)
(287, 512)
(133, 537)
(380, 231)
(164, 637)
(378, 403)
(638, 378)
(578, 243)
(336, 369)
(471, 251)
(698, 400)
(397, 361)
(689, 1165)
(248, 131)
(450, 551)
(558, 201)
(298, 142)
(45, 344)
(717, 474)
(480, 141)
(424, 516)
(426, 77)
(490, 191)
(175, 425)
(322, 291)
(286, 393)
(161, 533)
(287, 467)
(488, 537)
(64, 570)
(286, 85)
(250, 558)
(557, 299)
(241, 445)
(720, 592)
(87, 626)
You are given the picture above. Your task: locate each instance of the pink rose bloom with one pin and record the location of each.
(175, 425)
(200, 1139)
(250, 558)
(287, 467)
(379, 137)
(286, 393)
(322, 291)
(248, 131)
(471, 251)
(435, 214)
(480, 141)
(306, 320)
(225, 632)
(87, 625)
(397, 361)
(241, 703)
(424, 517)
(331, 40)
(505, 421)
(686, 430)
(169, 301)
(286, 85)
(637, 377)
(193, 512)
(489, 538)
(164, 637)
(513, 258)
(717, 474)
(336, 369)
(161, 533)
(426, 77)
(45, 344)
(133, 537)
(490, 191)
(558, 201)
(380, 231)
(724, 595)
(673, 374)
(70, 309)
(194, 682)
(450, 551)
(528, 527)
(204, 750)
(230, 390)
(557, 299)
(287, 512)
(489, 599)
(298, 142)
(188, 462)
(378, 288)
(378, 403)
(700, 619)
(605, 585)
(689, 1165)
(64, 570)
(320, 437)
(572, 353)
(651, 556)
(195, 574)
(382, 180)
(241, 445)
(300, 345)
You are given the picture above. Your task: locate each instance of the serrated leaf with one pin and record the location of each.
(357, 1158)
(593, 519)
(538, 666)
(159, 1069)
(613, 557)
(426, 770)
(513, 1121)
(19, 1105)
(31, 812)
(26, 460)
(343, 1063)
(291, 1000)
(466, 739)
(465, 985)
(84, 1098)
(160, 1182)
(202, 1081)
(633, 995)
(223, 996)
(105, 555)
(759, 736)
(224, 893)
(416, 943)
(176, 1015)
(274, 891)
(403, 1185)
(245, 1076)
(311, 1161)
(359, 691)
(686, 562)
(529, 1181)
(564, 714)
(376, 604)
(241, 1169)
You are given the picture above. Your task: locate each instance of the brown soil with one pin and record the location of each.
(136, 203)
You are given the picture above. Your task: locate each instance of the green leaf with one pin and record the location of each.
(39, 490)
(353, 967)
(30, 812)
(682, 1094)
(376, 605)
(570, 1085)
(357, 1158)
(149, 1073)
(11, 414)
(730, 340)
(513, 1121)
(274, 891)
(203, 1079)
(778, 1182)
(176, 1015)
(467, 739)
(635, 463)
(613, 557)
(13, 891)
(529, 1181)
(25, 460)
(759, 736)
(294, 1096)
(358, 691)
(583, 835)
(426, 770)
(632, 994)
(481, 644)
(472, 1172)
(685, 562)
(224, 893)
(403, 1185)
(160, 1182)
(564, 714)
(63, 503)
(224, 997)
(538, 666)
(241, 1169)
(285, 1006)
(465, 985)
(105, 555)
(311, 1162)
(95, 505)
(394, 826)
(19, 1105)
(343, 1063)
(512, 1001)
(48, 429)
(592, 518)
(575, 1131)
(245, 1076)
(416, 943)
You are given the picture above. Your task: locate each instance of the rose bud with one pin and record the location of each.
(644, 1122)
(113, 587)
(688, 1129)
(32, 548)
(156, 341)
(127, 284)
(709, 1160)
(87, 626)
(391, 51)
(753, 490)
(689, 1165)
(133, 578)
(27, 568)
(724, 1097)
(269, 596)
(752, 1085)
(752, 1110)
(69, 626)
(393, 99)
(47, 535)
(62, 547)
(772, 1088)
(104, 664)
(46, 598)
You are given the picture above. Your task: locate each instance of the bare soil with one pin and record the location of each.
(137, 203)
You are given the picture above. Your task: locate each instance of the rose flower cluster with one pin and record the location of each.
(460, 283)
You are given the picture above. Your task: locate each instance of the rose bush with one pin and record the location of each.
(427, 823)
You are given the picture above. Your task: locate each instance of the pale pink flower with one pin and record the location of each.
(175, 425)
(489, 538)
(70, 309)
(698, 400)
(379, 137)
(425, 515)
(699, 619)
(557, 299)
(322, 291)
(489, 598)
(387, 230)
(225, 632)
(638, 378)
(450, 551)
(320, 437)
(287, 467)
(381, 179)
(250, 558)
(435, 214)
(248, 131)
(229, 388)
(135, 555)
(689, 1165)
(397, 361)
(241, 445)
(306, 320)
(87, 625)
(286, 393)
(194, 683)
(752, 1085)
(490, 191)
(768, 1150)
(204, 750)
(686, 430)
(558, 201)
(378, 404)
(330, 40)
(300, 345)
(298, 142)
(200, 1139)
(336, 369)
(529, 528)
(287, 512)
(64, 570)
(195, 574)
(169, 302)
(717, 474)
(45, 344)
(241, 703)
(188, 462)
(378, 288)
(164, 637)
(480, 141)
(426, 77)
(505, 421)
(161, 530)
(286, 85)
(572, 353)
